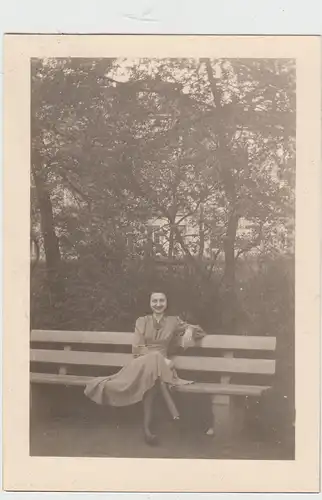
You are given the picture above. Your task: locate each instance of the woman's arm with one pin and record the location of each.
(187, 334)
(139, 345)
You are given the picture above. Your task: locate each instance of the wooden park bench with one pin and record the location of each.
(63, 352)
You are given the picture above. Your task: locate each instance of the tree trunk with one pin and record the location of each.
(51, 244)
(201, 232)
(223, 153)
(191, 260)
(229, 278)
(148, 248)
(171, 242)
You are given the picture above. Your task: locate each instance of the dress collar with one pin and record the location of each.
(158, 324)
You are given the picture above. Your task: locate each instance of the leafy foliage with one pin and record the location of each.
(117, 142)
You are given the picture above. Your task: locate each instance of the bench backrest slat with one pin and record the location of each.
(194, 363)
(229, 342)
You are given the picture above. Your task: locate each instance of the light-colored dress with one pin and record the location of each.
(152, 342)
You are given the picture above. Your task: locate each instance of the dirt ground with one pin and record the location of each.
(64, 423)
(87, 437)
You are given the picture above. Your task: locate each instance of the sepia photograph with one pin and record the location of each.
(162, 245)
(167, 261)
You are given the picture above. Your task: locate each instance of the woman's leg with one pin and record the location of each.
(169, 401)
(148, 401)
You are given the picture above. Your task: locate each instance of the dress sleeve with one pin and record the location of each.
(139, 345)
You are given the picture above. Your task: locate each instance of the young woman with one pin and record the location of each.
(155, 337)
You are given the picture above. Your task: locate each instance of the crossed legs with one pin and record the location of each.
(148, 406)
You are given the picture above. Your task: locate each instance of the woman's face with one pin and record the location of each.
(158, 303)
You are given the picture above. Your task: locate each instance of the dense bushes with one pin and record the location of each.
(105, 295)
(111, 294)
(272, 417)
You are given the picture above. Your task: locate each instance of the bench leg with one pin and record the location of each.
(238, 414)
(37, 408)
(228, 416)
(40, 402)
(222, 419)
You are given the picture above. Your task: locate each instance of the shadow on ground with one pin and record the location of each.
(108, 432)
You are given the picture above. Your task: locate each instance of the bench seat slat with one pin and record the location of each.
(230, 342)
(196, 388)
(194, 363)
(227, 389)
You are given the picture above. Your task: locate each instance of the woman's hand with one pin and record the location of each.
(187, 337)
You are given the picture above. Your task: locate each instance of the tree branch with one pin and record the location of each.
(150, 195)
(253, 243)
(77, 190)
(214, 262)
(213, 83)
